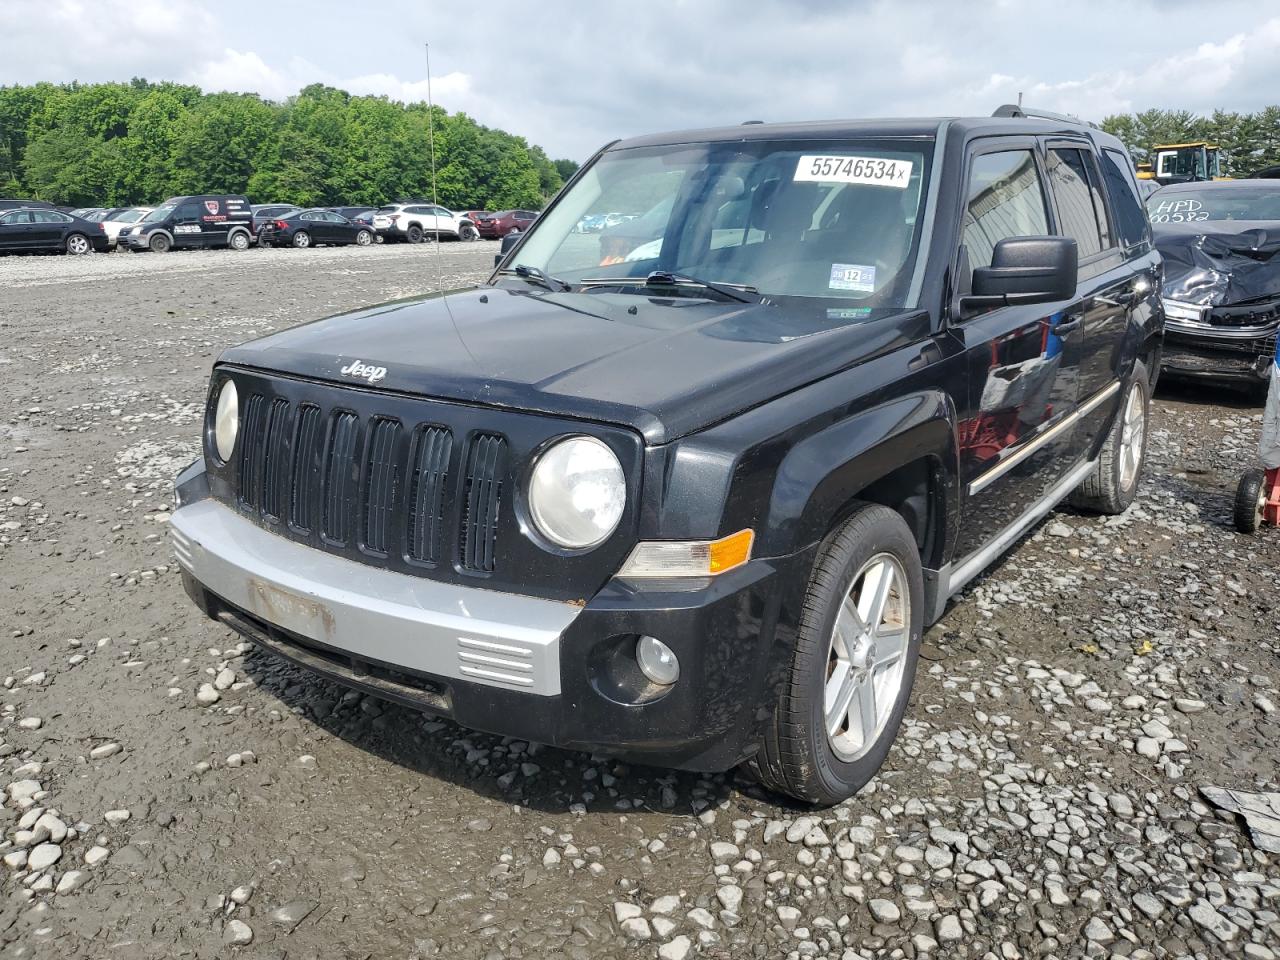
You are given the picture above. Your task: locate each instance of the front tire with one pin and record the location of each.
(1114, 481)
(852, 665)
(364, 238)
(159, 243)
(1250, 497)
(301, 240)
(468, 233)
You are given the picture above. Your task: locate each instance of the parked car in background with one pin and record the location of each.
(696, 509)
(120, 219)
(92, 214)
(415, 222)
(208, 220)
(262, 212)
(475, 215)
(495, 226)
(46, 229)
(312, 227)
(12, 204)
(1221, 247)
(356, 214)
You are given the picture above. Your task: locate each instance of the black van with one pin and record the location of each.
(205, 221)
(8, 204)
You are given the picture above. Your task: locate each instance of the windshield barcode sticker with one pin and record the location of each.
(874, 170)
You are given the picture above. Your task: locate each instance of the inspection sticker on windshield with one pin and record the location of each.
(885, 173)
(852, 276)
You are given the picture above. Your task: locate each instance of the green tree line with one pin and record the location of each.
(1249, 141)
(110, 144)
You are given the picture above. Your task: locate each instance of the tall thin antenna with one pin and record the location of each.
(431, 131)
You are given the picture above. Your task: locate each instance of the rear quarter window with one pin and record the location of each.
(1131, 222)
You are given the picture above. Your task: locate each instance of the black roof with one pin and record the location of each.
(921, 127)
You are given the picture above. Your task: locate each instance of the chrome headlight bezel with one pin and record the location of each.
(1180, 310)
(226, 420)
(554, 479)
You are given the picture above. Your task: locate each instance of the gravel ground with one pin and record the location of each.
(170, 792)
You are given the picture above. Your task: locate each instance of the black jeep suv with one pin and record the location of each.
(692, 502)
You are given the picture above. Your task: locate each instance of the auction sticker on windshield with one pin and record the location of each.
(853, 276)
(873, 170)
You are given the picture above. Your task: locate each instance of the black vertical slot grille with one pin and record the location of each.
(305, 479)
(482, 490)
(251, 450)
(340, 472)
(427, 492)
(382, 483)
(275, 451)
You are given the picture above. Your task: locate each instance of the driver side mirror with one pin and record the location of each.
(1025, 270)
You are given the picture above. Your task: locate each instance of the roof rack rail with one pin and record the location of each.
(1014, 110)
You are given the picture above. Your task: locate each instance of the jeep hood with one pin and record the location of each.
(1220, 263)
(663, 366)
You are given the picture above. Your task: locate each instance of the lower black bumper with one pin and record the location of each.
(1230, 356)
(731, 635)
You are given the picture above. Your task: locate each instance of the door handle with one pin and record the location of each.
(1067, 325)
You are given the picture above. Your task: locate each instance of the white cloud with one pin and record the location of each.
(576, 77)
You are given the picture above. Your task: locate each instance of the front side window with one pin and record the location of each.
(1005, 199)
(831, 220)
(1079, 200)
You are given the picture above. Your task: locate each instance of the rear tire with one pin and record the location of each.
(413, 234)
(1250, 495)
(238, 241)
(1115, 480)
(852, 665)
(159, 243)
(301, 240)
(78, 245)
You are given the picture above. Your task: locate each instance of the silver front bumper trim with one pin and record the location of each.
(464, 633)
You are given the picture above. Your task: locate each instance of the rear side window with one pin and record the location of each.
(1131, 222)
(1080, 207)
(1005, 199)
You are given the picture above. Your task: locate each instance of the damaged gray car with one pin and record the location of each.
(1221, 247)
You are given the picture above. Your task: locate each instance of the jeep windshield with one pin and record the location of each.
(831, 220)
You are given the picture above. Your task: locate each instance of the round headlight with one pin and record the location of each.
(577, 493)
(226, 421)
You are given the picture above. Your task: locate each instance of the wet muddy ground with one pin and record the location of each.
(1043, 798)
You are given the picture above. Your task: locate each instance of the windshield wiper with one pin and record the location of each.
(540, 277)
(664, 278)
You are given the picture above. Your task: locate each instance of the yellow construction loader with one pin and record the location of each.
(1182, 163)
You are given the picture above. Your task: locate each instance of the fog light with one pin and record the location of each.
(657, 661)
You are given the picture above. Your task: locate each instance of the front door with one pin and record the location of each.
(1017, 434)
(15, 230)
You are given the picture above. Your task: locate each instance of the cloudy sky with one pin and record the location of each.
(573, 75)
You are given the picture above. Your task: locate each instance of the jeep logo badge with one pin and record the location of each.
(357, 368)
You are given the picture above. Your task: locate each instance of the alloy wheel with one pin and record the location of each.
(77, 244)
(1133, 431)
(867, 657)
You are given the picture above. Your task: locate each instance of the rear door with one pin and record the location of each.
(1016, 436)
(1105, 282)
(47, 229)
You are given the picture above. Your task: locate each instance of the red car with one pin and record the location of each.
(495, 226)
